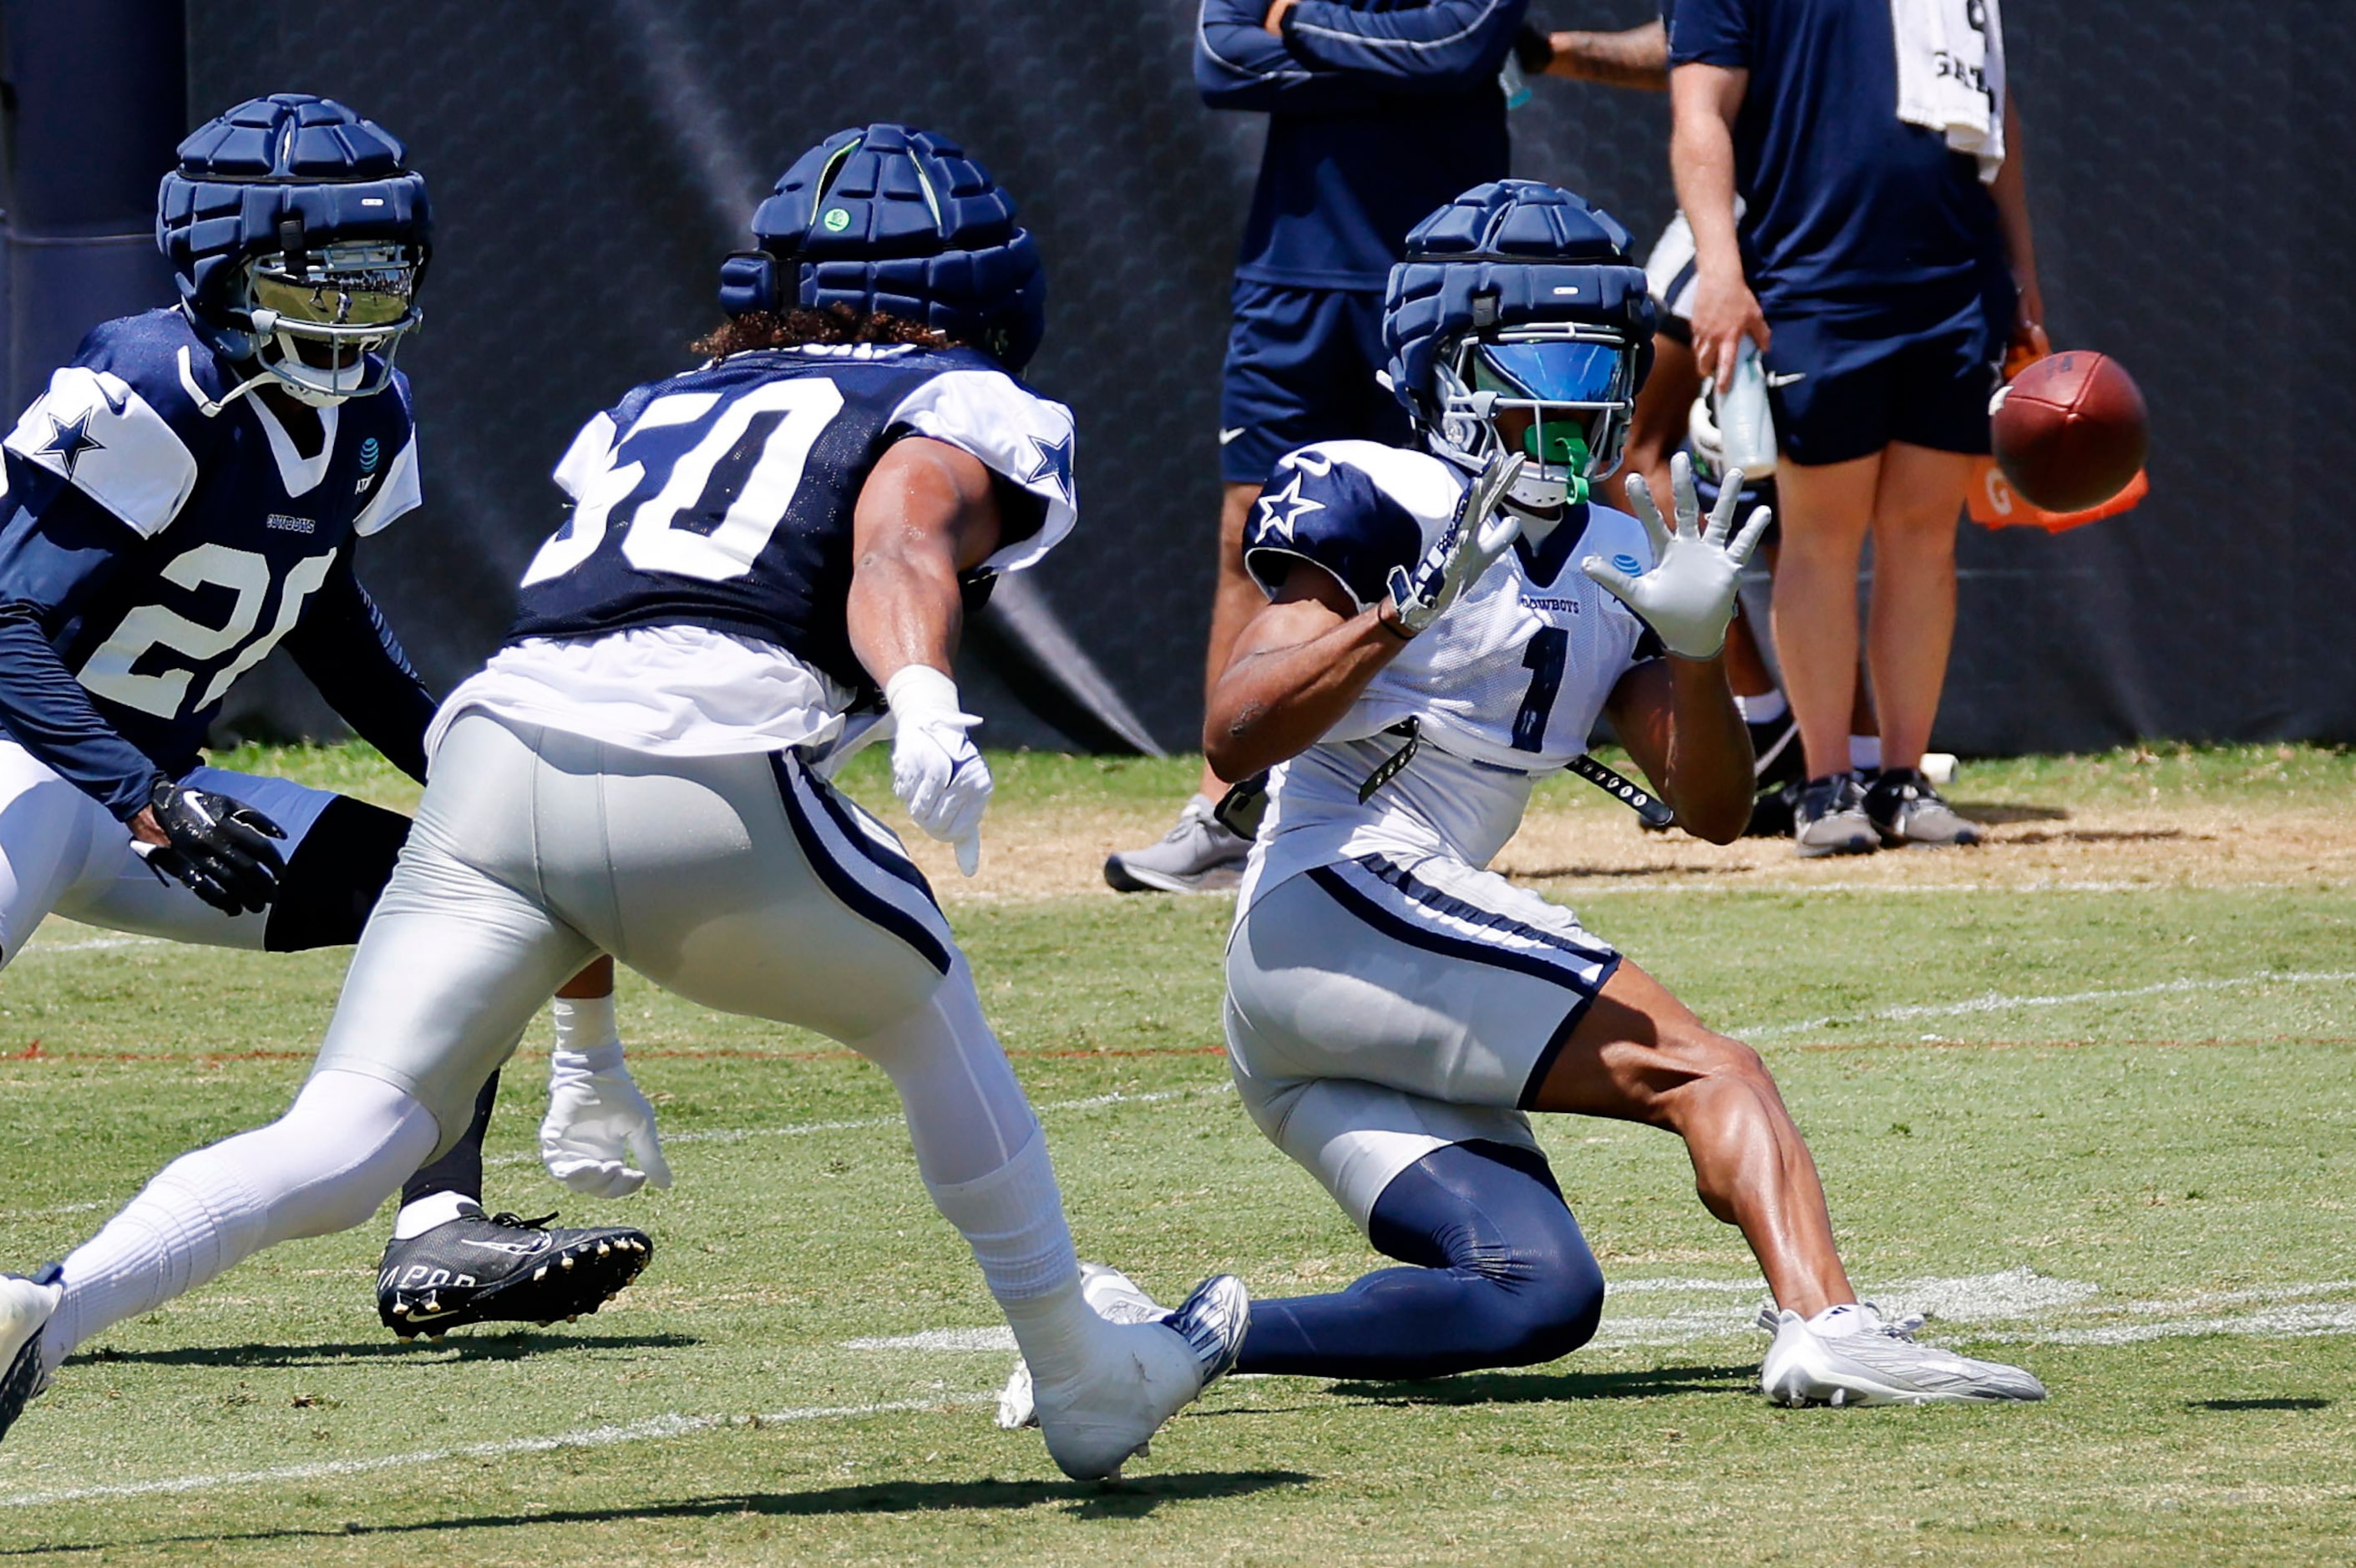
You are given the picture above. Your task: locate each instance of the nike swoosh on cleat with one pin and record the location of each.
(1226, 436)
(514, 1249)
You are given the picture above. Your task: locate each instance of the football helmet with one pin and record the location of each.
(1516, 313)
(298, 237)
(893, 219)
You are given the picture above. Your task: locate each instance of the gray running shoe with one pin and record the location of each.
(1876, 1363)
(1196, 856)
(1831, 819)
(1904, 809)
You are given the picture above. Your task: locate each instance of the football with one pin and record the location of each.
(2070, 431)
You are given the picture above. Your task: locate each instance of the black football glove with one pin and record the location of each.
(220, 848)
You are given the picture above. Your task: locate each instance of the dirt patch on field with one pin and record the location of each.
(1040, 853)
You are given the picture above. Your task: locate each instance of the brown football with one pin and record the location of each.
(2070, 431)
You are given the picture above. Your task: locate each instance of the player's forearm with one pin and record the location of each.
(1638, 57)
(1275, 703)
(1701, 162)
(904, 609)
(1708, 770)
(45, 709)
(1437, 47)
(349, 652)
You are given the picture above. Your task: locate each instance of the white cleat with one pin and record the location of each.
(1857, 1358)
(26, 1308)
(1095, 1422)
(1116, 1298)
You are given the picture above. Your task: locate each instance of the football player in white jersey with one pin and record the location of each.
(757, 547)
(1444, 627)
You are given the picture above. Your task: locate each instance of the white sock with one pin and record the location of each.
(434, 1208)
(1864, 752)
(325, 1166)
(585, 1023)
(1013, 1219)
(1768, 705)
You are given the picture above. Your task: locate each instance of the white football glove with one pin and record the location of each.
(936, 770)
(1456, 559)
(1687, 597)
(599, 1135)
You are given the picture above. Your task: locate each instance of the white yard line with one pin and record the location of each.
(89, 944)
(1996, 1002)
(654, 1428)
(869, 1123)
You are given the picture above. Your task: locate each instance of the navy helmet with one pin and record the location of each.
(298, 236)
(892, 219)
(1518, 299)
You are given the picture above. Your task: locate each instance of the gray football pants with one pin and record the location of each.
(742, 882)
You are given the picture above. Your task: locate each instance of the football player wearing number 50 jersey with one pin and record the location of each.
(1445, 626)
(186, 496)
(756, 547)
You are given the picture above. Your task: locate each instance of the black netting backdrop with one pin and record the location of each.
(591, 162)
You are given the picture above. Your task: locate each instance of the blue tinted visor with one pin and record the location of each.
(1549, 372)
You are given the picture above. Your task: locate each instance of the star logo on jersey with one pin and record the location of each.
(1053, 462)
(1282, 509)
(68, 439)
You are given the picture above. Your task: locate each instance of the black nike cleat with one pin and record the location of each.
(498, 1268)
(26, 1308)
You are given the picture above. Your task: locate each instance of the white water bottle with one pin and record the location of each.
(1746, 427)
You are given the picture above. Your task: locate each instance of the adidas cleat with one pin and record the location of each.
(1857, 1358)
(482, 1268)
(26, 1308)
(1212, 1321)
(1116, 1298)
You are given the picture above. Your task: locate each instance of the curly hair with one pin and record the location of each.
(836, 324)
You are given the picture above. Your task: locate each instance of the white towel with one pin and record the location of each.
(1951, 73)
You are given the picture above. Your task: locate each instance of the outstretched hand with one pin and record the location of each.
(1687, 596)
(1478, 535)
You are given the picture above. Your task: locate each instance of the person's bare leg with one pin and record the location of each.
(1826, 509)
(1235, 600)
(1640, 1055)
(1657, 427)
(1917, 506)
(596, 980)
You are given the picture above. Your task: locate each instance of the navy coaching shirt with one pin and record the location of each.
(1848, 209)
(1379, 110)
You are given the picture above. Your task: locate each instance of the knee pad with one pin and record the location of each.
(334, 877)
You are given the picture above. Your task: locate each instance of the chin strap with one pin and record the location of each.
(205, 405)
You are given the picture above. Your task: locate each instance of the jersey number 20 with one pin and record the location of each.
(757, 446)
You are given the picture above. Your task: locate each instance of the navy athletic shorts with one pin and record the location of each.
(1301, 367)
(1844, 388)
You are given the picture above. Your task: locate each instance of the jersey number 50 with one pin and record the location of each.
(759, 470)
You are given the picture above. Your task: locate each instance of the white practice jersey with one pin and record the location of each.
(1503, 688)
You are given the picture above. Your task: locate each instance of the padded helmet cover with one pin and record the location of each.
(289, 159)
(891, 218)
(1508, 253)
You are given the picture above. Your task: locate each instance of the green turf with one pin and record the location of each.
(2180, 1136)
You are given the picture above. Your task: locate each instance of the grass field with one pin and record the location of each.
(2087, 1094)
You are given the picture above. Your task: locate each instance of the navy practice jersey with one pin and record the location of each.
(723, 497)
(162, 544)
(1379, 110)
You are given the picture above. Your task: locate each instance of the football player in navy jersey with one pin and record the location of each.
(186, 496)
(764, 555)
(1443, 628)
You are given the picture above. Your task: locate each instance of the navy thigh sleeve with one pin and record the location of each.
(334, 877)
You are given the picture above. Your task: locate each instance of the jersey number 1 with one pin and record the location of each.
(757, 447)
(1544, 660)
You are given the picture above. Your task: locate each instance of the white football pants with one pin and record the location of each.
(742, 882)
(62, 852)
